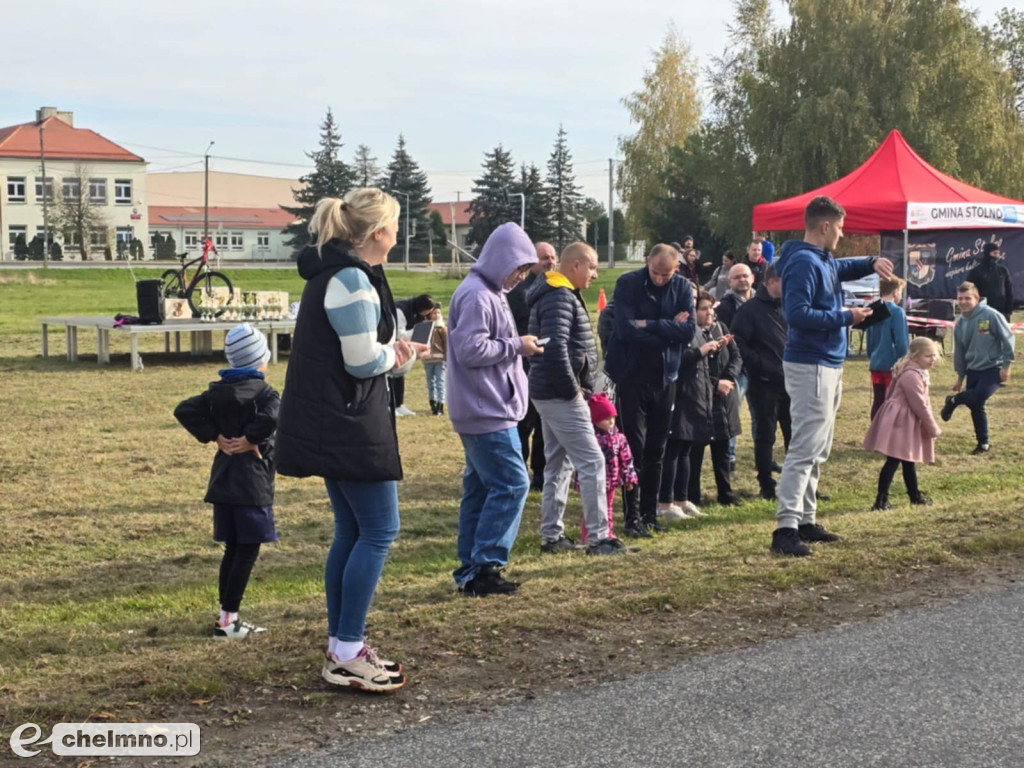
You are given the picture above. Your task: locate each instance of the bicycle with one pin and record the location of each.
(176, 284)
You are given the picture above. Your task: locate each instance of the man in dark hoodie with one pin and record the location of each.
(562, 379)
(992, 280)
(812, 301)
(760, 332)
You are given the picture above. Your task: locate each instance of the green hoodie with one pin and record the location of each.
(982, 340)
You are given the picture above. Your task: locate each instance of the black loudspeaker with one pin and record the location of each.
(151, 301)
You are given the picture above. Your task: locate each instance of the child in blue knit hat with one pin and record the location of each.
(239, 413)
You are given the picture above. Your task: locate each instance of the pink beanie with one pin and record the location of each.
(601, 408)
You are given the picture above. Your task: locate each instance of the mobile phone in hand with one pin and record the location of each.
(542, 342)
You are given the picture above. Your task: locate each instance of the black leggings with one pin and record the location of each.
(235, 568)
(889, 471)
(397, 391)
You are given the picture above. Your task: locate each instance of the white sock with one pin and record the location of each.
(346, 651)
(227, 618)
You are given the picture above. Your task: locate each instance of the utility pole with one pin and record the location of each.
(206, 196)
(46, 219)
(611, 213)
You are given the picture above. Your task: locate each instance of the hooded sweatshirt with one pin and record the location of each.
(981, 340)
(812, 301)
(487, 389)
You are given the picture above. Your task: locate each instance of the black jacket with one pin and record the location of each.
(725, 312)
(702, 415)
(569, 361)
(994, 283)
(332, 424)
(518, 302)
(240, 404)
(760, 331)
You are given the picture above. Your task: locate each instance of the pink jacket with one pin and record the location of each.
(904, 426)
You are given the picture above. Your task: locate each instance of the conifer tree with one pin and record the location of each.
(404, 175)
(330, 177)
(492, 205)
(565, 197)
(538, 205)
(365, 167)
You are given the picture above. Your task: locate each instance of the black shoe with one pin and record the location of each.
(440, 409)
(947, 409)
(433, 408)
(537, 484)
(776, 467)
(732, 465)
(822, 496)
(982, 448)
(488, 581)
(561, 544)
(654, 526)
(609, 546)
(920, 499)
(786, 541)
(728, 501)
(815, 532)
(881, 503)
(636, 530)
(768, 492)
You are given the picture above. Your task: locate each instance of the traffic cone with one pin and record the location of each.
(602, 302)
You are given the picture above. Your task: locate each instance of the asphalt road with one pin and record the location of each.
(937, 687)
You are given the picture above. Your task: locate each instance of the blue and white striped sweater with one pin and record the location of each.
(353, 308)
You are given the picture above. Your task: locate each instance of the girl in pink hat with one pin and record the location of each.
(618, 459)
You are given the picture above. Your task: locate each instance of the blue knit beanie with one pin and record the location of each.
(246, 347)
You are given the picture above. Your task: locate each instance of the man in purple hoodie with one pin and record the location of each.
(487, 398)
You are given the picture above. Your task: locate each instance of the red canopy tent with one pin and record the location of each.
(894, 190)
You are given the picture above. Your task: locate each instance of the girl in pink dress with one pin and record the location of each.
(904, 429)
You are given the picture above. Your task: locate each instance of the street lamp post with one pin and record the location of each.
(406, 195)
(206, 196)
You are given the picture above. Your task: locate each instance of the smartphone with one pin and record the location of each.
(542, 342)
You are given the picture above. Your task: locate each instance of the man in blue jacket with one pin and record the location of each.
(812, 301)
(654, 320)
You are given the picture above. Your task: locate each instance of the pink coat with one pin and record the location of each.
(904, 427)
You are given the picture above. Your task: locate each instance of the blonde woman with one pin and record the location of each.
(336, 421)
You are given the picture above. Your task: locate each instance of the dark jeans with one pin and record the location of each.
(235, 568)
(980, 386)
(769, 408)
(645, 411)
(675, 472)
(531, 423)
(397, 390)
(720, 465)
(889, 471)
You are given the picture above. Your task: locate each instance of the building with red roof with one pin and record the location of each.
(252, 234)
(81, 165)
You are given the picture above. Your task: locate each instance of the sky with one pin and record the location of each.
(456, 78)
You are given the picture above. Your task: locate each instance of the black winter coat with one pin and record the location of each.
(332, 424)
(701, 414)
(235, 407)
(569, 361)
(993, 281)
(760, 331)
(518, 302)
(725, 312)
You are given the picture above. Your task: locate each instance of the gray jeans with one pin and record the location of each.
(569, 441)
(814, 395)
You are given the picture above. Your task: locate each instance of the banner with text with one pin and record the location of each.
(953, 215)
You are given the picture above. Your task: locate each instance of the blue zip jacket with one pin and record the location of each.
(634, 301)
(889, 340)
(812, 301)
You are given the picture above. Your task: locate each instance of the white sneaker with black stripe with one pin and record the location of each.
(365, 672)
(236, 630)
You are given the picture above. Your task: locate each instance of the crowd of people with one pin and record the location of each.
(518, 366)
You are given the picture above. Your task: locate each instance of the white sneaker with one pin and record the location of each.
(670, 512)
(693, 509)
(236, 630)
(404, 410)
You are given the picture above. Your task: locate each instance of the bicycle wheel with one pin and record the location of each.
(173, 284)
(210, 284)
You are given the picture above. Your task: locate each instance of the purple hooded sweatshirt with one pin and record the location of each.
(487, 389)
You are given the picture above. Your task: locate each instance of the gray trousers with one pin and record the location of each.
(814, 395)
(569, 441)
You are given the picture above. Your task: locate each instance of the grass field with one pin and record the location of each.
(107, 568)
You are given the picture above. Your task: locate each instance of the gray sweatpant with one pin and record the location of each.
(814, 395)
(569, 441)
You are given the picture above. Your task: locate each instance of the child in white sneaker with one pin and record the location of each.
(239, 413)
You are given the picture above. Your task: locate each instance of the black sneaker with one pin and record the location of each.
(921, 499)
(537, 484)
(489, 581)
(776, 467)
(947, 409)
(881, 503)
(636, 530)
(768, 492)
(818, 495)
(982, 448)
(655, 526)
(609, 546)
(728, 501)
(732, 465)
(815, 532)
(786, 541)
(561, 544)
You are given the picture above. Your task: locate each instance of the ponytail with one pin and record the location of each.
(353, 218)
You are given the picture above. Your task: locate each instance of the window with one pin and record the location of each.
(98, 237)
(49, 189)
(98, 191)
(15, 189)
(220, 240)
(72, 189)
(191, 241)
(71, 238)
(12, 235)
(237, 241)
(158, 233)
(124, 235)
(263, 241)
(122, 191)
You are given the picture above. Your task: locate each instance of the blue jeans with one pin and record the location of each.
(365, 524)
(494, 489)
(980, 386)
(435, 381)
